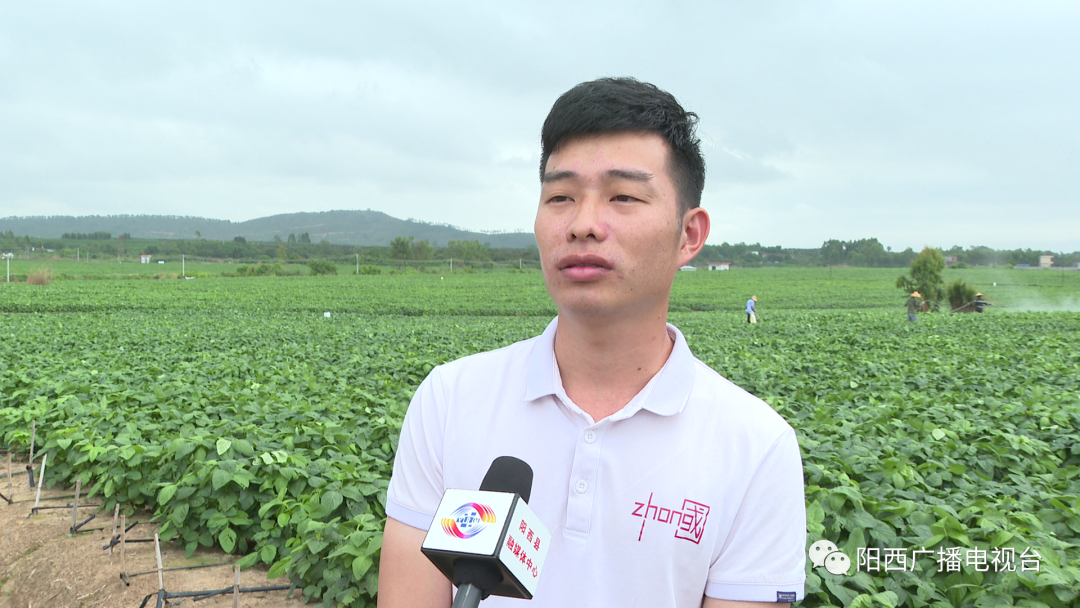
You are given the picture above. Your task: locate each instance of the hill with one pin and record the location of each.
(365, 228)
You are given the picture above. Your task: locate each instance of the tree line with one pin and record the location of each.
(407, 249)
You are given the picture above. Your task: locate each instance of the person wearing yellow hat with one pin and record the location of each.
(913, 306)
(980, 302)
(751, 310)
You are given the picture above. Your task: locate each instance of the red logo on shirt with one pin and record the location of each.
(689, 522)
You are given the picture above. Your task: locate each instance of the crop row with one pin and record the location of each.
(271, 434)
(504, 293)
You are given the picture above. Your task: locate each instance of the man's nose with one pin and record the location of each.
(588, 220)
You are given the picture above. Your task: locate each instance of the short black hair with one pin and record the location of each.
(608, 105)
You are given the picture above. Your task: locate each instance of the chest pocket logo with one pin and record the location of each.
(688, 522)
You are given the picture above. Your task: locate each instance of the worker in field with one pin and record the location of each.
(751, 310)
(662, 483)
(913, 306)
(980, 302)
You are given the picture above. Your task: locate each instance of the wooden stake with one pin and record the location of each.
(9, 487)
(41, 480)
(33, 436)
(157, 554)
(116, 513)
(123, 543)
(30, 462)
(75, 505)
(236, 587)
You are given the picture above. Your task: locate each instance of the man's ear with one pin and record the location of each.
(695, 229)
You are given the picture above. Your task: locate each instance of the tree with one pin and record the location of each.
(960, 294)
(422, 250)
(400, 247)
(305, 238)
(925, 276)
(467, 250)
(832, 251)
(198, 234)
(292, 239)
(322, 267)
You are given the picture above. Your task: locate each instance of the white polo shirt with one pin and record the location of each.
(694, 488)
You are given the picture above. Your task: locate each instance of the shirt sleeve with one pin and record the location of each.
(764, 559)
(416, 486)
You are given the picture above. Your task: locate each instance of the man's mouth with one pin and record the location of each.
(584, 261)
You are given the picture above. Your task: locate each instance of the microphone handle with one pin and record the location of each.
(468, 596)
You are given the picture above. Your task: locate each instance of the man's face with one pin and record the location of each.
(609, 235)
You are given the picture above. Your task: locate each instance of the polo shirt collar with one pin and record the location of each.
(667, 396)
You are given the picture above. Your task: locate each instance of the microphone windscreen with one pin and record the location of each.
(509, 474)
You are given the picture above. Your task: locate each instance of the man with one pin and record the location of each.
(662, 483)
(980, 302)
(913, 306)
(751, 310)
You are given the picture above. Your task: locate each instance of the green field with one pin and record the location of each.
(251, 421)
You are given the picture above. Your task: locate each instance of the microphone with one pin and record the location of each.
(489, 542)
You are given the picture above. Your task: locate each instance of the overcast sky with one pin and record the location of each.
(943, 123)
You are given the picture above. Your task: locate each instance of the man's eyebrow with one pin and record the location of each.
(634, 175)
(555, 176)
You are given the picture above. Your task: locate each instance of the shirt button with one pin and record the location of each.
(590, 436)
(582, 486)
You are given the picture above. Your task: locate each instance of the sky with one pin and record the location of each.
(918, 123)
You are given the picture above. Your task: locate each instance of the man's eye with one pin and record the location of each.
(624, 198)
(558, 199)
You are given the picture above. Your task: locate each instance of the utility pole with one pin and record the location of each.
(358, 264)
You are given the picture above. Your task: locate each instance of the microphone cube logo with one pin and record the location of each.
(468, 520)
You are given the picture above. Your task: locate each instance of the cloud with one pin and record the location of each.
(908, 121)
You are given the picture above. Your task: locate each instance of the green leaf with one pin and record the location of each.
(166, 493)
(248, 560)
(180, 513)
(279, 568)
(220, 478)
(243, 446)
(331, 500)
(938, 434)
(223, 446)
(268, 553)
(227, 538)
(360, 566)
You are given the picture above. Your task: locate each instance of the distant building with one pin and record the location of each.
(1046, 261)
(719, 265)
(950, 260)
(688, 268)
(144, 259)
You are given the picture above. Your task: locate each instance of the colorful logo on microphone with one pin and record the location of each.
(468, 520)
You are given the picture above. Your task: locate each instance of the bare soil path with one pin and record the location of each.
(43, 566)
